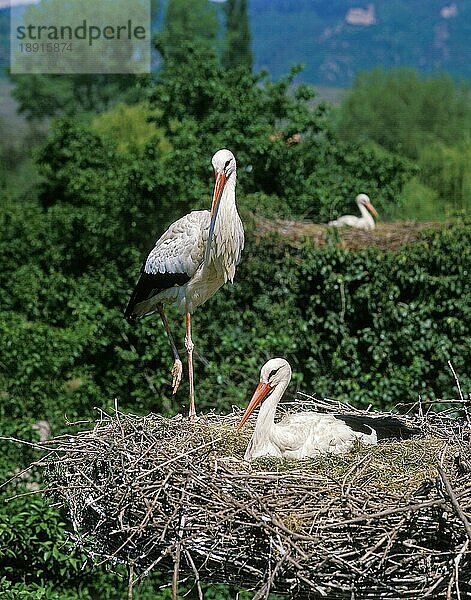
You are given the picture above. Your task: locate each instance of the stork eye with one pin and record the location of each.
(228, 162)
(272, 373)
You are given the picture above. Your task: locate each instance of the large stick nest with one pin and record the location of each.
(381, 521)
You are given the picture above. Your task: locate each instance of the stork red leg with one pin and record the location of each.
(177, 368)
(189, 348)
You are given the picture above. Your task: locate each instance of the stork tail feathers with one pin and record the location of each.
(385, 427)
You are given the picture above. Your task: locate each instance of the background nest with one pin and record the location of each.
(160, 493)
(386, 236)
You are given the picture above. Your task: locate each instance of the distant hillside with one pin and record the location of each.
(335, 39)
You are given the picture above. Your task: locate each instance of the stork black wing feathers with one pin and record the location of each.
(150, 284)
(385, 427)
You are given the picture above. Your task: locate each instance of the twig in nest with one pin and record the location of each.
(457, 508)
(460, 392)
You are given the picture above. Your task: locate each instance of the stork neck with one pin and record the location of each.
(365, 214)
(226, 237)
(266, 416)
(228, 195)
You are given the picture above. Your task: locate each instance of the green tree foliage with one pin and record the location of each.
(418, 202)
(40, 96)
(43, 96)
(238, 51)
(404, 111)
(71, 260)
(284, 147)
(447, 170)
(186, 21)
(426, 119)
(128, 128)
(33, 544)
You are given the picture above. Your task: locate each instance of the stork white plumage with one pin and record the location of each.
(365, 222)
(306, 434)
(191, 261)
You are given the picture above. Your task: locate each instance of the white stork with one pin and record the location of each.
(308, 433)
(365, 222)
(191, 261)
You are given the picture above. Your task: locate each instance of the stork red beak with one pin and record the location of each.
(260, 394)
(218, 188)
(371, 208)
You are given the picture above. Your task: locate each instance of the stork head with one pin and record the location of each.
(224, 164)
(274, 372)
(364, 200)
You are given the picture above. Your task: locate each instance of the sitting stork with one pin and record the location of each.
(308, 433)
(365, 222)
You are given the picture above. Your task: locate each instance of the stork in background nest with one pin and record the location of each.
(365, 222)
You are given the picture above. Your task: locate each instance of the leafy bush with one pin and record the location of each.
(368, 327)
(127, 128)
(284, 147)
(427, 119)
(446, 170)
(418, 202)
(404, 111)
(34, 591)
(33, 544)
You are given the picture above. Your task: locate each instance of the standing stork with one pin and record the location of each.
(365, 222)
(191, 261)
(308, 433)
